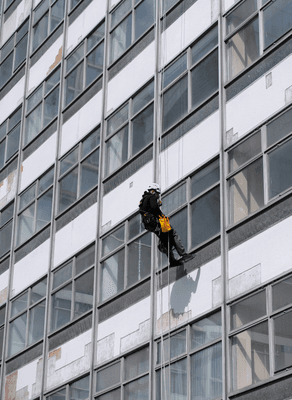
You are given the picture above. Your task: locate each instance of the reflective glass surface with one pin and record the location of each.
(248, 310)
(142, 129)
(279, 128)
(108, 377)
(174, 71)
(139, 262)
(113, 241)
(44, 209)
(89, 172)
(280, 169)
(283, 341)
(206, 330)
(61, 307)
(282, 294)
(112, 275)
(36, 323)
(204, 45)
(83, 299)
(62, 275)
(245, 151)
(240, 14)
(68, 190)
(205, 178)
(175, 103)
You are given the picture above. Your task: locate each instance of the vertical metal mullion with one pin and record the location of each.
(122, 374)
(133, 21)
(130, 129)
(78, 171)
(84, 66)
(189, 215)
(189, 79)
(28, 315)
(188, 348)
(265, 163)
(261, 32)
(270, 330)
(126, 254)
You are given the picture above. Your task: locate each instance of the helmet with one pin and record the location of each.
(154, 186)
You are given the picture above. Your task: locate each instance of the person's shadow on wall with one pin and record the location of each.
(182, 291)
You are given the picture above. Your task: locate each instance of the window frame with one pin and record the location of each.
(3, 226)
(2, 327)
(67, 387)
(6, 136)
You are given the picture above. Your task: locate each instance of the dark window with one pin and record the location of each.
(277, 20)
(9, 137)
(6, 216)
(78, 390)
(2, 321)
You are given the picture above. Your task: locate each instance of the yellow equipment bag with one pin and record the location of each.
(164, 223)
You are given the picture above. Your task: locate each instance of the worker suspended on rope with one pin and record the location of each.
(155, 221)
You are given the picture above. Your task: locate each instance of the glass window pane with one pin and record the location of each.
(6, 69)
(83, 293)
(69, 161)
(135, 226)
(248, 310)
(44, 209)
(95, 37)
(138, 389)
(205, 79)
(20, 52)
(203, 46)
(174, 199)
(143, 97)
(178, 344)
(142, 132)
(245, 151)
(26, 224)
(113, 395)
(52, 80)
(1, 341)
(40, 31)
(74, 3)
(85, 259)
(180, 223)
(206, 330)
(17, 333)
(4, 266)
(76, 56)
(94, 64)
(112, 275)
(243, 48)
(19, 304)
(15, 118)
(175, 103)
(113, 241)
(62, 275)
(57, 13)
(89, 172)
(7, 48)
(206, 217)
(51, 106)
(118, 119)
(5, 239)
(2, 315)
(206, 373)
(139, 261)
(250, 356)
(35, 98)
(282, 294)
(38, 291)
(33, 124)
(2, 153)
(68, 190)
(240, 14)
(137, 363)
(44, 5)
(74, 83)
(22, 31)
(277, 20)
(246, 191)
(121, 38)
(144, 17)
(27, 197)
(79, 390)
(174, 71)
(205, 178)
(108, 377)
(61, 307)
(280, 168)
(3, 130)
(120, 12)
(7, 214)
(60, 395)
(90, 142)
(283, 341)
(36, 323)
(279, 128)
(173, 380)
(46, 181)
(163, 351)
(117, 150)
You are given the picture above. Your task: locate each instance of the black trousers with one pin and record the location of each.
(172, 239)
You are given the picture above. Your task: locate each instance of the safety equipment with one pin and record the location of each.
(154, 186)
(164, 223)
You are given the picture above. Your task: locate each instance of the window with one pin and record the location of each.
(46, 17)
(190, 361)
(72, 289)
(78, 390)
(2, 321)
(191, 79)
(9, 137)
(130, 129)
(128, 22)
(254, 324)
(243, 39)
(27, 318)
(79, 170)
(249, 174)
(167, 4)
(126, 258)
(13, 53)
(6, 215)
(42, 106)
(35, 207)
(84, 64)
(127, 379)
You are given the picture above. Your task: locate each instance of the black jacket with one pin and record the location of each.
(150, 204)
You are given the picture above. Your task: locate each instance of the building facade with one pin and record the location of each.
(99, 98)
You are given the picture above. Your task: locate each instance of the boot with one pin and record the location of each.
(180, 248)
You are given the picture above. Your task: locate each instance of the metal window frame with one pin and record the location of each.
(5, 137)
(67, 387)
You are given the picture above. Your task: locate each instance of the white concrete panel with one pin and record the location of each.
(30, 268)
(185, 30)
(131, 78)
(13, 98)
(190, 296)
(75, 235)
(81, 123)
(45, 64)
(130, 321)
(245, 281)
(128, 197)
(69, 360)
(85, 22)
(43, 157)
(8, 189)
(15, 20)
(271, 248)
(190, 151)
(256, 103)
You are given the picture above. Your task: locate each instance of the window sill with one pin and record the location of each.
(46, 39)
(16, 355)
(71, 323)
(20, 246)
(40, 133)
